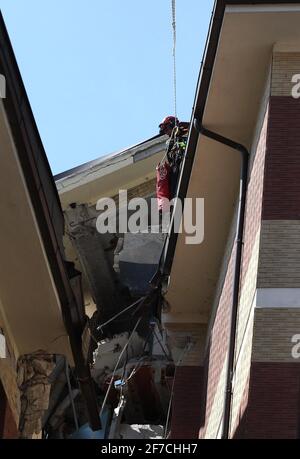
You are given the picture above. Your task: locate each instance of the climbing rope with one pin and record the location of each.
(174, 57)
(117, 364)
(186, 349)
(136, 303)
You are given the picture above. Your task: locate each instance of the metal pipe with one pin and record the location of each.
(238, 263)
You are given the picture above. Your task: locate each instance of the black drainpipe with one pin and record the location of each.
(238, 263)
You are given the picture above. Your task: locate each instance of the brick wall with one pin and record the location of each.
(285, 65)
(187, 415)
(145, 189)
(219, 341)
(280, 254)
(281, 200)
(252, 233)
(187, 341)
(273, 331)
(217, 358)
(266, 385)
(273, 411)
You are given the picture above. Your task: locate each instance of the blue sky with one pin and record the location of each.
(99, 73)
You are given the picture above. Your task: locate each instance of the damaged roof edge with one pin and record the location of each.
(202, 90)
(45, 201)
(107, 159)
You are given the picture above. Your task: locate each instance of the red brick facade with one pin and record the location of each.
(281, 200)
(187, 401)
(273, 410)
(270, 406)
(219, 340)
(192, 410)
(273, 401)
(266, 392)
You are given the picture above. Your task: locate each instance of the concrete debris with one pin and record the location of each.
(33, 373)
(95, 253)
(108, 351)
(140, 432)
(117, 417)
(138, 260)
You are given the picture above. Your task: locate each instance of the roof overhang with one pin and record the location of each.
(106, 176)
(229, 96)
(29, 303)
(35, 291)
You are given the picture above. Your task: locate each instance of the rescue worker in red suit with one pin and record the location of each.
(168, 171)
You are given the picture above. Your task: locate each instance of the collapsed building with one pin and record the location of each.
(82, 350)
(122, 306)
(41, 309)
(125, 335)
